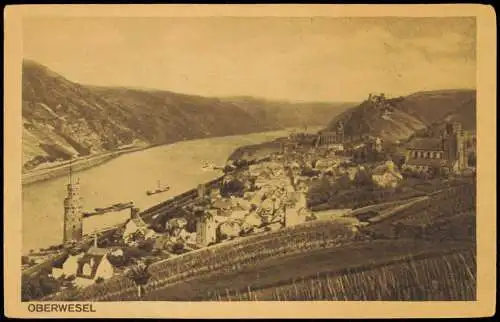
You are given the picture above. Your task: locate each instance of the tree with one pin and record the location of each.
(471, 160)
(177, 248)
(38, 286)
(140, 275)
(445, 172)
(363, 179)
(233, 187)
(308, 172)
(314, 162)
(343, 182)
(424, 175)
(30, 289)
(25, 260)
(118, 261)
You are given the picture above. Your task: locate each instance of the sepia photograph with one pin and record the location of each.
(259, 158)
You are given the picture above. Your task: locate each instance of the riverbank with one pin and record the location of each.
(85, 163)
(62, 169)
(257, 151)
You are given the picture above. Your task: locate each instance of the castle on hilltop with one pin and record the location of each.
(374, 98)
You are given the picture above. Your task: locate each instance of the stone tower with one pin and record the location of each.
(73, 218)
(340, 132)
(206, 230)
(454, 145)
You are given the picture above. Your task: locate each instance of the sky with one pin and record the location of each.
(297, 59)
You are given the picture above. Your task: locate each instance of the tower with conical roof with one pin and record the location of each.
(73, 218)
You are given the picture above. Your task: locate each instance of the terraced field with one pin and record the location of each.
(449, 277)
(265, 280)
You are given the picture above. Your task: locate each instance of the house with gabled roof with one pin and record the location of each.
(88, 266)
(93, 265)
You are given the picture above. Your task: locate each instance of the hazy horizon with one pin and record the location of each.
(293, 59)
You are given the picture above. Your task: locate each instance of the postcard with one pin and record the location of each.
(166, 161)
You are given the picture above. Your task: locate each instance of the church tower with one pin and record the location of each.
(340, 132)
(73, 219)
(454, 145)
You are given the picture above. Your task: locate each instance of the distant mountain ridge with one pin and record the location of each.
(63, 118)
(401, 117)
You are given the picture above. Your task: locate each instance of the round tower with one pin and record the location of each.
(73, 218)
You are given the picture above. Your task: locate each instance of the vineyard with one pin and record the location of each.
(224, 257)
(450, 277)
(440, 210)
(357, 197)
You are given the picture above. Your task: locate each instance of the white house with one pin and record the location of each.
(230, 229)
(87, 267)
(252, 220)
(134, 224)
(336, 147)
(386, 175)
(69, 267)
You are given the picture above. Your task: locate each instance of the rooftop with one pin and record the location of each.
(98, 251)
(427, 162)
(91, 259)
(434, 144)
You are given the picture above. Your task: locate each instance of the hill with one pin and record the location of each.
(399, 118)
(290, 257)
(62, 118)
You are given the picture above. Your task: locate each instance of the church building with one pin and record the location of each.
(446, 152)
(331, 138)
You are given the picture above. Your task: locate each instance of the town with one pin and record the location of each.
(304, 177)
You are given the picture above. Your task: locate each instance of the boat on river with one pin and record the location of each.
(207, 165)
(159, 189)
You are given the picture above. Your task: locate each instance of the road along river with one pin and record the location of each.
(124, 179)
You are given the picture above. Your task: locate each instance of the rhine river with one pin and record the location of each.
(124, 179)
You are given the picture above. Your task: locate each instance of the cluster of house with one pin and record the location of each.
(448, 151)
(269, 202)
(274, 194)
(384, 173)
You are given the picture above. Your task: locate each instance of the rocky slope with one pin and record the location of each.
(400, 118)
(63, 119)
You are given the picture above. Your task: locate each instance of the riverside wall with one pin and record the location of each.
(178, 201)
(147, 215)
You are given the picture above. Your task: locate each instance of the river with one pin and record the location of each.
(124, 179)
